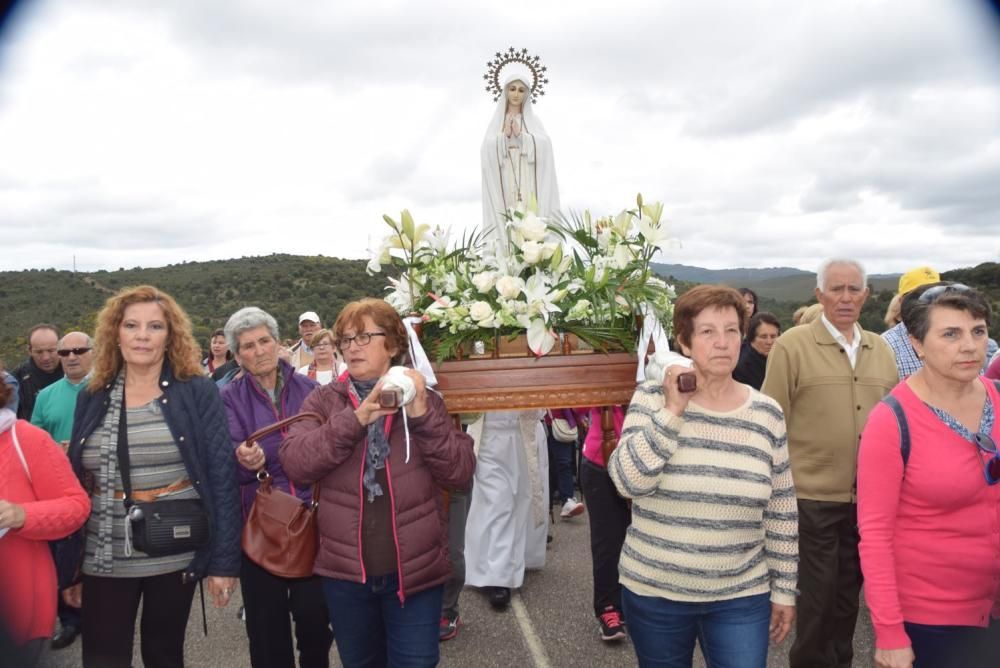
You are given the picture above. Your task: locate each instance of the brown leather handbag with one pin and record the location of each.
(280, 534)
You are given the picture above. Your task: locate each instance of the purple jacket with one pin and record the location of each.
(249, 408)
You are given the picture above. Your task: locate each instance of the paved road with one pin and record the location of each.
(550, 624)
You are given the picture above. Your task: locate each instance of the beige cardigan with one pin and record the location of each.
(826, 404)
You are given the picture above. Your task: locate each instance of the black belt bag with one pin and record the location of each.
(161, 528)
(164, 527)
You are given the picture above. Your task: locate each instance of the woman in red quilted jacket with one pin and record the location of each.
(40, 500)
(383, 550)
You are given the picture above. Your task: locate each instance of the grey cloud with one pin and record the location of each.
(91, 219)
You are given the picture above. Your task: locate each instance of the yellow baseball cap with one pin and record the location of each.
(914, 278)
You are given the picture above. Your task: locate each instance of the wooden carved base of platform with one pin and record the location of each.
(557, 381)
(516, 383)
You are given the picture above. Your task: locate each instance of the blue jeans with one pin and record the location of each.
(732, 633)
(954, 646)
(372, 628)
(560, 466)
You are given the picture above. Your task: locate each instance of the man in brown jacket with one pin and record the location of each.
(827, 375)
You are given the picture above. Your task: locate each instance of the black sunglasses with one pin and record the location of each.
(362, 339)
(991, 471)
(65, 352)
(930, 295)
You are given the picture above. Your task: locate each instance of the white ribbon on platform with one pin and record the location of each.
(420, 360)
(651, 331)
(663, 357)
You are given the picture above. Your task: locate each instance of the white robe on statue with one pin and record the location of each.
(531, 170)
(507, 528)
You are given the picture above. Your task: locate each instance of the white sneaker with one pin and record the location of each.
(571, 508)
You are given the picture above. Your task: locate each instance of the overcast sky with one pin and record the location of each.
(777, 132)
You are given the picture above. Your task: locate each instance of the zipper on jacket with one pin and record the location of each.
(277, 417)
(361, 510)
(401, 594)
(361, 496)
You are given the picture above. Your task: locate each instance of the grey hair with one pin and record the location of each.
(90, 339)
(825, 265)
(247, 318)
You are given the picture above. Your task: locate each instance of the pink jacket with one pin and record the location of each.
(930, 535)
(333, 453)
(55, 506)
(595, 435)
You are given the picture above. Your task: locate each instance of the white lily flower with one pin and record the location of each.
(439, 239)
(541, 300)
(622, 224)
(541, 339)
(622, 256)
(439, 306)
(603, 238)
(656, 234)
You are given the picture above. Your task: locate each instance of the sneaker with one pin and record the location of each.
(449, 627)
(571, 508)
(612, 626)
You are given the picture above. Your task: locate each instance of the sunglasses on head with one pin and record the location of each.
(65, 352)
(991, 470)
(930, 295)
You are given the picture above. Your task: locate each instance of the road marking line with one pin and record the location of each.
(531, 639)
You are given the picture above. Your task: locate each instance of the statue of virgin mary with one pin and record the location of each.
(516, 154)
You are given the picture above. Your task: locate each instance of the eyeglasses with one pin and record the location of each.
(324, 344)
(991, 471)
(65, 352)
(362, 339)
(930, 295)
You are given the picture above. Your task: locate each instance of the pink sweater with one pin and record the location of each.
(54, 506)
(595, 435)
(930, 540)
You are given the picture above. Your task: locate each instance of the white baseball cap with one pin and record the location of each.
(309, 315)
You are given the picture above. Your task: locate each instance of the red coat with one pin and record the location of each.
(55, 506)
(333, 453)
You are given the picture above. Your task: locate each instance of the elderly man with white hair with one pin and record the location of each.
(827, 376)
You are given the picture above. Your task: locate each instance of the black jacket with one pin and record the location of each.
(751, 367)
(32, 380)
(196, 417)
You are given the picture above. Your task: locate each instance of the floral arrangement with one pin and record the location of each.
(585, 275)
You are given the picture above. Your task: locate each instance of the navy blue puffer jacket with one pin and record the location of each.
(196, 417)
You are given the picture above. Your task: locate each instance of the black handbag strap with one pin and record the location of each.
(123, 462)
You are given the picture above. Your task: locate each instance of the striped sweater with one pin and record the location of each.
(714, 514)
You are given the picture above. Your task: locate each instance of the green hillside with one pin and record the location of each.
(286, 285)
(283, 285)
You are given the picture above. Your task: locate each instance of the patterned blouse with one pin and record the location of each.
(155, 462)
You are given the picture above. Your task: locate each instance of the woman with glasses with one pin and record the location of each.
(326, 364)
(928, 498)
(381, 460)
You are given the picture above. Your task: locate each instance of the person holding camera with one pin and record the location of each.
(712, 549)
(268, 391)
(381, 457)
